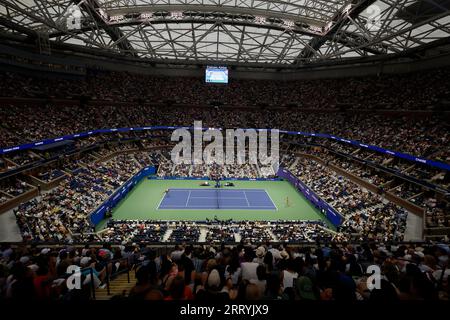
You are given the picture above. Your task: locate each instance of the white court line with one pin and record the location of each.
(244, 191)
(214, 208)
(160, 201)
(276, 208)
(187, 200)
(248, 203)
(192, 189)
(222, 198)
(180, 206)
(210, 189)
(231, 190)
(251, 207)
(159, 204)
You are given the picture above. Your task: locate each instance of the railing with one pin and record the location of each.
(373, 165)
(107, 281)
(409, 157)
(437, 231)
(98, 214)
(119, 272)
(42, 162)
(92, 282)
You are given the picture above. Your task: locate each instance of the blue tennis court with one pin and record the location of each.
(251, 199)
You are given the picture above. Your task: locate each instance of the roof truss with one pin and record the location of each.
(279, 32)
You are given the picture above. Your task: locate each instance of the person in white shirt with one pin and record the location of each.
(249, 267)
(176, 255)
(261, 282)
(249, 270)
(289, 275)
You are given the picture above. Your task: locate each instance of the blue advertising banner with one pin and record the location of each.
(401, 155)
(99, 214)
(332, 215)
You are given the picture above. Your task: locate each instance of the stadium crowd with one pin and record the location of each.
(120, 231)
(303, 231)
(222, 274)
(392, 91)
(249, 171)
(359, 163)
(61, 215)
(365, 214)
(280, 231)
(14, 187)
(427, 136)
(423, 135)
(221, 234)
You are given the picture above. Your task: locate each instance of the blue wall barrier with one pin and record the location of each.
(99, 214)
(401, 155)
(332, 215)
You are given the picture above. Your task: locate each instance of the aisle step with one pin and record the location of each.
(116, 287)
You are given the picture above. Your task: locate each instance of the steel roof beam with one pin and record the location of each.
(91, 7)
(318, 41)
(216, 9)
(8, 23)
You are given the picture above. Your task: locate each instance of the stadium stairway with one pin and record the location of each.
(117, 286)
(294, 164)
(203, 233)
(9, 231)
(166, 235)
(272, 235)
(414, 228)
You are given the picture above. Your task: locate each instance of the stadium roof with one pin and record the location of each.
(276, 32)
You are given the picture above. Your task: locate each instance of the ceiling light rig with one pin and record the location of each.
(288, 24)
(260, 20)
(146, 16)
(176, 15)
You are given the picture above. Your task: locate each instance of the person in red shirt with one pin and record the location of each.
(42, 283)
(178, 290)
